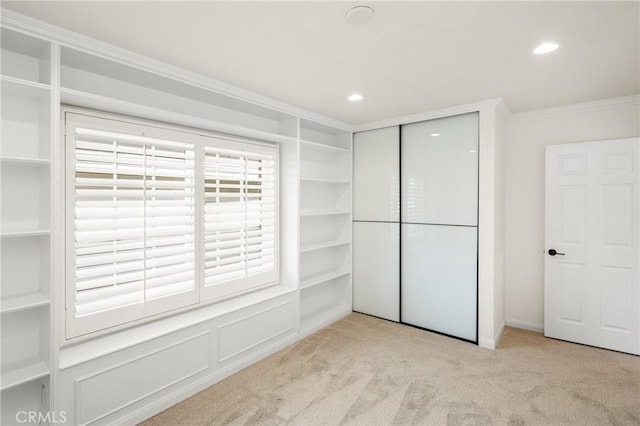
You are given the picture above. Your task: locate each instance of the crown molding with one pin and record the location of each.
(430, 115)
(579, 107)
(25, 24)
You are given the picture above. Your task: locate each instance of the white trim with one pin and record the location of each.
(524, 325)
(486, 343)
(58, 236)
(580, 107)
(430, 115)
(22, 23)
(492, 344)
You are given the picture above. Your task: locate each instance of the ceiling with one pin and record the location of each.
(412, 57)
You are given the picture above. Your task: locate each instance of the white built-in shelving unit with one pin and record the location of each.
(325, 224)
(44, 68)
(25, 233)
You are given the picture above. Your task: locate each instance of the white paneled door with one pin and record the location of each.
(592, 259)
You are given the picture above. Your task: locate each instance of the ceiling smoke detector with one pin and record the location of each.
(359, 14)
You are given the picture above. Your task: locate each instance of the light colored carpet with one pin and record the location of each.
(367, 371)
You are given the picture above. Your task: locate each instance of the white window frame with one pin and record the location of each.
(108, 321)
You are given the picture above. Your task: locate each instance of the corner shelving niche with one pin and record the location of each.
(325, 224)
(25, 170)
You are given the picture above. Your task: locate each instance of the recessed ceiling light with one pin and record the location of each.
(359, 14)
(355, 97)
(435, 134)
(546, 47)
(473, 150)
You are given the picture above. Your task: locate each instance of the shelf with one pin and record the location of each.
(25, 161)
(323, 212)
(13, 86)
(324, 244)
(25, 56)
(90, 100)
(322, 278)
(21, 303)
(323, 147)
(24, 233)
(27, 373)
(325, 180)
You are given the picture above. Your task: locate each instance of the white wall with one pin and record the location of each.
(491, 247)
(527, 135)
(499, 299)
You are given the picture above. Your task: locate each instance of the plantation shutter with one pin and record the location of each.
(170, 219)
(239, 217)
(109, 222)
(134, 221)
(158, 219)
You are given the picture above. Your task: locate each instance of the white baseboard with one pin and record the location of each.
(193, 388)
(488, 343)
(525, 325)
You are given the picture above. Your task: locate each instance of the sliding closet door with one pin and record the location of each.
(376, 228)
(439, 218)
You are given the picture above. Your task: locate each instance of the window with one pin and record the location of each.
(160, 219)
(239, 218)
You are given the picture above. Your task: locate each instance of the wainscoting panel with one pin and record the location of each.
(108, 388)
(132, 384)
(254, 329)
(116, 387)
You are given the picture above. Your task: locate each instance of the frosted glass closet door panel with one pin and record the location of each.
(376, 269)
(376, 175)
(439, 275)
(440, 171)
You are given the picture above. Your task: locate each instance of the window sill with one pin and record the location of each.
(73, 355)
